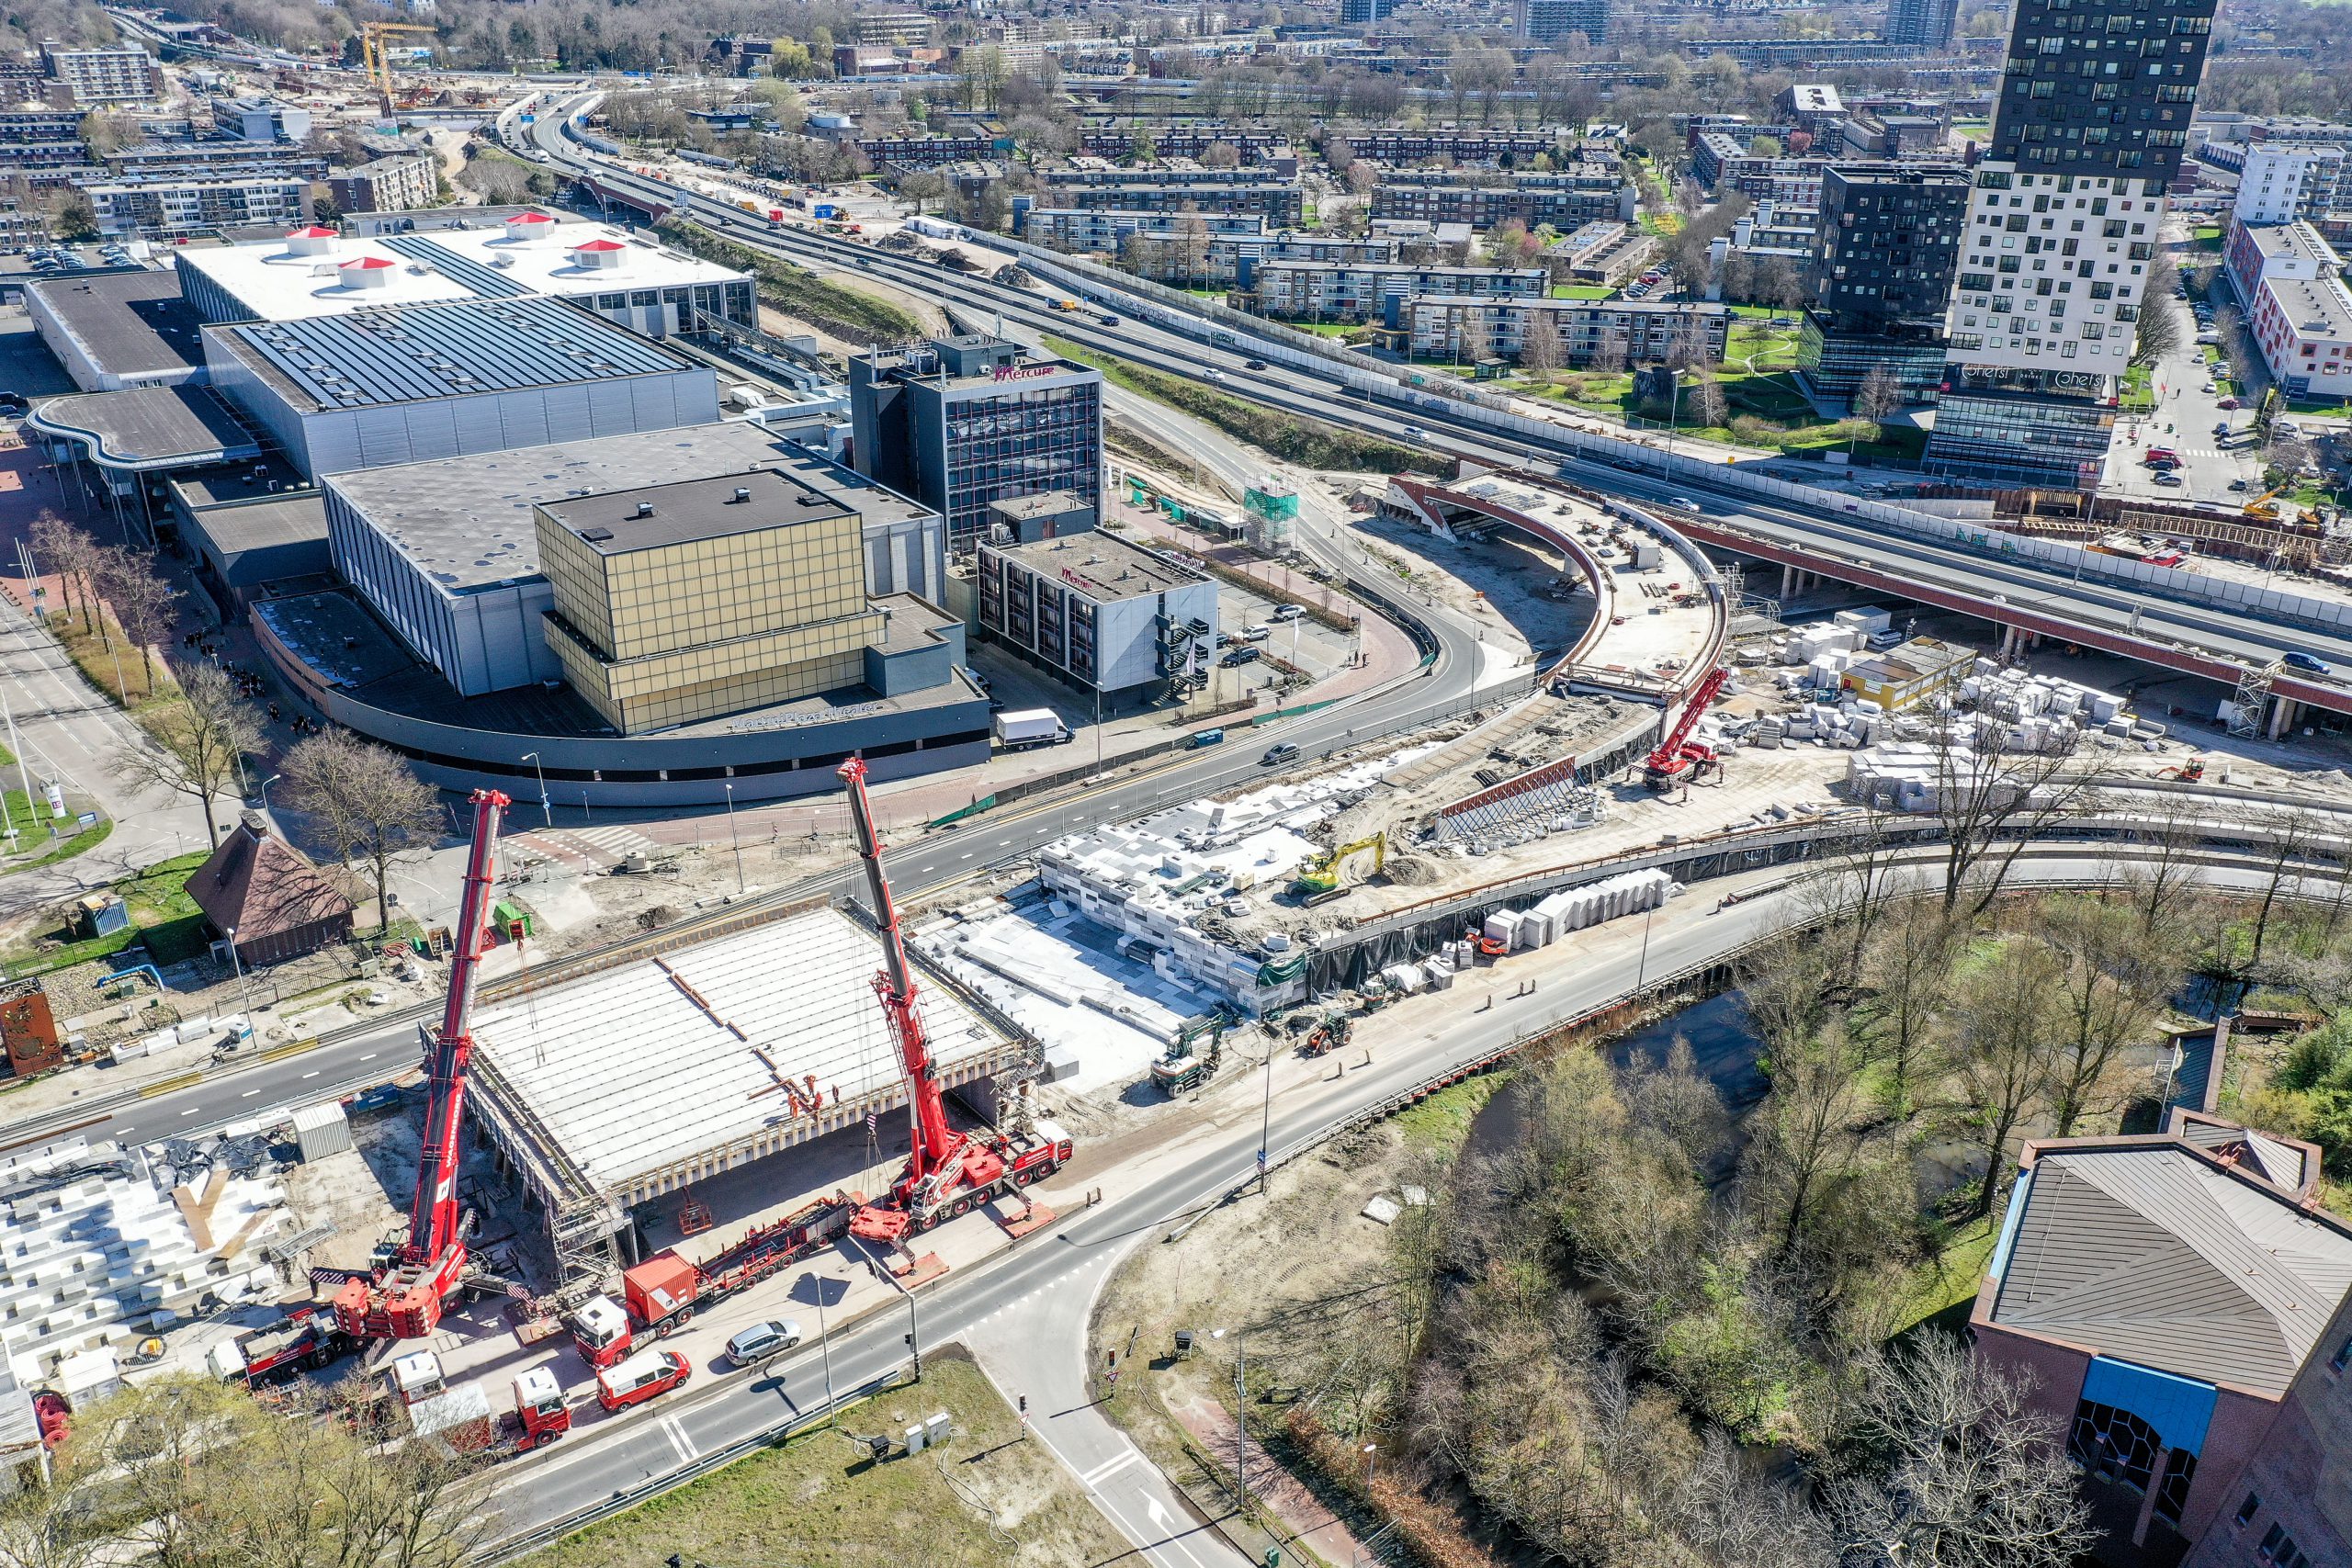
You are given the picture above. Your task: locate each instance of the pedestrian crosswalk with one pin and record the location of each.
(594, 848)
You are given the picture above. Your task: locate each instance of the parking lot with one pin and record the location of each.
(1299, 641)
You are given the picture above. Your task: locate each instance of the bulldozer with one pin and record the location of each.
(1191, 1058)
(1318, 877)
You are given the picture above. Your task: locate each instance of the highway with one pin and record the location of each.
(2177, 632)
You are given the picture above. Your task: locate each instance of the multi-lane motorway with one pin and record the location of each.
(2178, 631)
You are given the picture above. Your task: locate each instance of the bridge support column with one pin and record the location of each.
(2283, 714)
(1788, 582)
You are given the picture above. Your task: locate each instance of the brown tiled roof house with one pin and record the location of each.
(264, 889)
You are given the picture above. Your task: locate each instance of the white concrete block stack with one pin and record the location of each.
(99, 1252)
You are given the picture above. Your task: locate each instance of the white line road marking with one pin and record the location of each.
(310, 1075)
(249, 1094)
(678, 1439)
(371, 1056)
(189, 1111)
(1109, 1468)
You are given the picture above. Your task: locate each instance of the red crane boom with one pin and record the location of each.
(412, 1281)
(1676, 755)
(947, 1172)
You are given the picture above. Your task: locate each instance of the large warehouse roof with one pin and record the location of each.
(467, 520)
(274, 280)
(388, 356)
(131, 325)
(652, 1065)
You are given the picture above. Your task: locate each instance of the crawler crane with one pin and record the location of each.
(947, 1173)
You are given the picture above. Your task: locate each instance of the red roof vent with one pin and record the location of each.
(369, 264)
(600, 245)
(314, 232)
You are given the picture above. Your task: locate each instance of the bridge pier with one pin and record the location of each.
(2284, 712)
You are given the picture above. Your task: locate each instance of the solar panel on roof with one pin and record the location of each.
(465, 345)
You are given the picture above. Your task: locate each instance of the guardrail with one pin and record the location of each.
(515, 1546)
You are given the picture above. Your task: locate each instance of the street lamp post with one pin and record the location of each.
(1266, 1120)
(1371, 1457)
(265, 791)
(546, 808)
(1642, 970)
(824, 1347)
(238, 968)
(731, 836)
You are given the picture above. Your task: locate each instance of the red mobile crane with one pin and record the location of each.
(412, 1281)
(947, 1173)
(1679, 758)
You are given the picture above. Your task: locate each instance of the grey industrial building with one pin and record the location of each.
(962, 423)
(117, 329)
(1101, 613)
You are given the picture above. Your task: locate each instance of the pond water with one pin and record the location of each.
(1723, 1050)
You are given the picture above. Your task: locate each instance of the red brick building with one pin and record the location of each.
(2166, 1293)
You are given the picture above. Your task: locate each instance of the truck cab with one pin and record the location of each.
(600, 1331)
(643, 1376)
(539, 1407)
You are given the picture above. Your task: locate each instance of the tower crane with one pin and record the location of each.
(1678, 757)
(947, 1173)
(376, 57)
(403, 1296)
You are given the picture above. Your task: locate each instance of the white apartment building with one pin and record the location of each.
(2051, 270)
(2284, 181)
(100, 77)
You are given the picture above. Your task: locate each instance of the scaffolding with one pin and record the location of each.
(2252, 697)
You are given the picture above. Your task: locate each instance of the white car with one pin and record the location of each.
(1258, 633)
(1415, 433)
(1288, 612)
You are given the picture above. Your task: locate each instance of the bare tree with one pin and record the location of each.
(2290, 832)
(196, 742)
(1539, 350)
(2160, 333)
(2113, 983)
(141, 604)
(184, 1472)
(374, 810)
(1972, 1475)
(1999, 1058)
(2160, 878)
(60, 547)
(1705, 399)
(1993, 798)
(1880, 395)
(1905, 980)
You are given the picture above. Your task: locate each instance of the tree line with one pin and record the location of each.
(201, 733)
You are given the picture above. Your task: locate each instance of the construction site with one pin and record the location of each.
(614, 1144)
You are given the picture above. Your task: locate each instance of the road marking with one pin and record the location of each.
(249, 1094)
(678, 1439)
(1109, 1468)
(371, 1056)
(191, 1111)
(310, 1075)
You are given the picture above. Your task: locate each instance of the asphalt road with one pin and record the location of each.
(66, 730)
(2148, 616)
(1024, 1311)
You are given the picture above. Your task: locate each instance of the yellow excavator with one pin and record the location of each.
(1318, 877)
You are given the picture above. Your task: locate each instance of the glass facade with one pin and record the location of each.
(687, 628)
(2020, 440)
(1836, 363)
(1004, 444)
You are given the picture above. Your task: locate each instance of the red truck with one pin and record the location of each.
(460, 1420)
(305, 1338)
(664, 1292)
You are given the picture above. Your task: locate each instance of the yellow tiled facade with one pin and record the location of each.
(678, 631)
